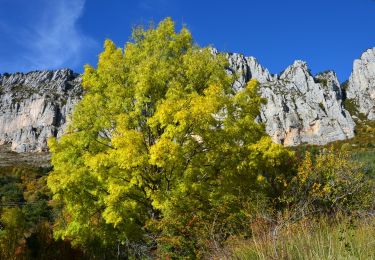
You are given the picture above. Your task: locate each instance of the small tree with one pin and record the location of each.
(12, 233)
(159, 148)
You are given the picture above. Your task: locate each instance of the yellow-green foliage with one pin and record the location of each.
(329, 182)
(160, 148)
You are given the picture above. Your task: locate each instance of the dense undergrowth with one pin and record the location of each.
(26, 216)
(27, 222)
(316, 232)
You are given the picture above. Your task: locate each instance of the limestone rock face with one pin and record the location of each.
(300, 108)
(304, 109)
(35, 106)
(361, 86)
(247, 68)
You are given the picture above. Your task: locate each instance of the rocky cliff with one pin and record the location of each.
(35, 106)
(301, 108)
(361, 86)
(247, 68)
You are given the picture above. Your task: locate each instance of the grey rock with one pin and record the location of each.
(246, 69)
(35, 106)
(300, 108)
(361, 86)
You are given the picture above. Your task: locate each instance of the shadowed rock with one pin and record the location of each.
(35, 106)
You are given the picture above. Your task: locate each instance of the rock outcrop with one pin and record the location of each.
(361, 85)
(35, 106)
(247, 68)
(300, 108)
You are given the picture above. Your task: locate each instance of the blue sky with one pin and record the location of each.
(50, 34)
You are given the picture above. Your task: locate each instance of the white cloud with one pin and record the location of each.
(52, 40)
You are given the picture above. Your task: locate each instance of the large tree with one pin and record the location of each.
(160, 148)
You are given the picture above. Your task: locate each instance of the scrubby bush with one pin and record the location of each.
(329, 182)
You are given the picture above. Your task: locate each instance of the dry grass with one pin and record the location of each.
(342, 238)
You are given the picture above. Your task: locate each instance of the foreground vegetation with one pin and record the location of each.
(310, 239)
(163, 159)
(321, 230)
